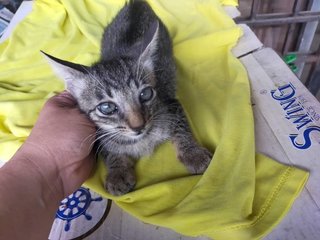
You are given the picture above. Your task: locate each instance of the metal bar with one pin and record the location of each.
(295, 7)
(262, 16)
(303, 53)
(306, 57)
(309, 13)
(254, 9)
(280, 15)
(313, 58)
(308, 35)
(314, 83)
(290, 31)
(285, 46)
(278, 21)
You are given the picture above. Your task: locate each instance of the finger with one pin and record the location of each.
(64, 99)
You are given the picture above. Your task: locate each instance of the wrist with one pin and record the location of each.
(27, 195)
(37, 166)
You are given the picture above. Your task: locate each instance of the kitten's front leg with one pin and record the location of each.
(190, 153)
(121, 176)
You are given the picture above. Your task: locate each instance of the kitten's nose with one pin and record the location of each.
(136, 122)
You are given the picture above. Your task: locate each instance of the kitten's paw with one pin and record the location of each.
(196, 159)
(120, 181)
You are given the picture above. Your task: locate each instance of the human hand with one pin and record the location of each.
(53, 162)
(60, 144)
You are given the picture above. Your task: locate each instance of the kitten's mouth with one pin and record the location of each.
(136, 136)
(140, 132)
(131, 139)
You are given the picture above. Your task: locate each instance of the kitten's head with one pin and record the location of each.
(122, 95)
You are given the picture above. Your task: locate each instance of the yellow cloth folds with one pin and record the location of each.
(242, 195)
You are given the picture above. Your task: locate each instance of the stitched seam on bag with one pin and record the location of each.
(267, 205)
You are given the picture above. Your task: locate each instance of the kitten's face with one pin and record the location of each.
(120, 93)
(121, 99)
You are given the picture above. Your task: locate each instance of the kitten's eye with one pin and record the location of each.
(146, 94)
(107, 108)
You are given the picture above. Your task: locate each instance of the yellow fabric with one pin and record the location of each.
(229, 2)
(242, 195)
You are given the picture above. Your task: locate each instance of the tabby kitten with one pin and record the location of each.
(130, 96)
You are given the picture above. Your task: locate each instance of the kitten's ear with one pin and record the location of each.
(73, 74)
(149, 46)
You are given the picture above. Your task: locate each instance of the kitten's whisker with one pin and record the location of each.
(106, 134)
(109, 135)
(164, 116)
(89, 138)
(109, 141)
(172, 120)
(156, 135)
(102, 142)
